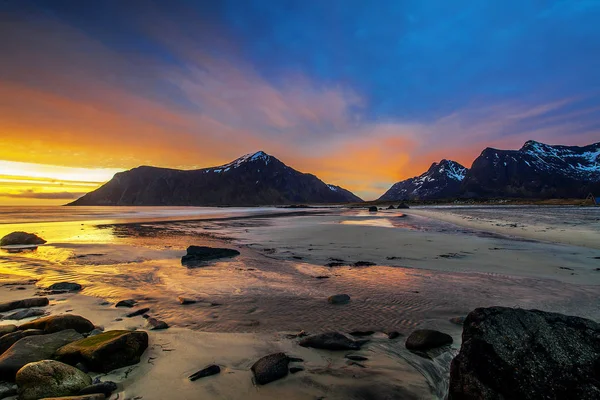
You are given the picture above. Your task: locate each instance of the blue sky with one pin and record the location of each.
(390, 85)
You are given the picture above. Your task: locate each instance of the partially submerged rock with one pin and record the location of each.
(186, 300)
(56, 323)
(156, 324)
(204, 372)
(339, 299)
(426, 339)
(25, 303)
(457, 320)
(138, 312)
(49, 378)
(21, 238)
(198, 254)
(364, 264)
(65, 287)
(32, 349)
(126, 303)
(27, 313)
(106, 388)
(330, 341)
(509, 353)
(373, 209)
(106, 351)
(270, 368)
(8, 340)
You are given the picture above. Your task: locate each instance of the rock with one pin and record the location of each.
(106, 388)
(7, 390)
(364, 264)
(402, 206)
(509, 353)
(330, 341)
(96, 396)
(393, 334)
(12, 338)
(27, 313)
(6, 329)
(56, 323)
(21, 238)
(65, 287)
(339, 299)
(425, 339)
(457, 320)
(373, 209)
(354, 357)
(95, 332)
(25, 303)
(335, 264)
(49, 378)
(135, 313)
(156, 324)
(198, 254)
(186, 300)
(208, 371)
(321, 277)
(270, 368)
(31, 349)
(295, 370)
(391, 207)
(106, 351)
(126, 303)
(361, 333)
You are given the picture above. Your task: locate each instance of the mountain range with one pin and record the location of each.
(536, 170)
(251, 180)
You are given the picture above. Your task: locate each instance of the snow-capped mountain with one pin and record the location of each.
(536, 170)
(253, 179)
(442, 180)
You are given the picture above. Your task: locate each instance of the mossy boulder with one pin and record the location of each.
(56, 323)
(106, 351)
(49, 378)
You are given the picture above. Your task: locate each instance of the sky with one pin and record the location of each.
(360, 93)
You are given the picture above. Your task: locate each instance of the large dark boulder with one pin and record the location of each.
(31, 349)
(105, 351)
(520, 354)
(21, 238)
(8, 340)
(330, 341)
(25, 303)
(49, 378)
(426, 339)
(199, 254)
(56, 323)
(270, 368)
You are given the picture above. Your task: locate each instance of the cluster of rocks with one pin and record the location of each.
(390, 207)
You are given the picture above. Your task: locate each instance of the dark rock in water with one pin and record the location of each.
(457, 320)
(25, 303)
(364, 264)
(126, 303)
(403, 206)
(106, 388)
(391, 207)
(425, 339)
(270, 368)
(21, 238)
(373, 209)
(56, 323)
(49, 378)
(354, 357)
(393, 334)
(65, 287)
(156, 324)
(8, 340)
(295, 370)
(362, 333)
(208, 371)
(321, 277)
(6, 329)
(31, 349)
(339, 299)
(28, 313)
(330, 341)
(186, 300)
(198, 254)
(335, 264)
(135, 313)
(509, 353)
(106, 351)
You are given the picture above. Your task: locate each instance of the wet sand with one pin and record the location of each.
(426, 271)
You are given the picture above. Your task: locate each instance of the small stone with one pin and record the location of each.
(135, 313)
(126, 303)
(156, 324)
(425, 339)
(196, 255)
(457, 320)
(330, 341)
(106, 388)
(339, 299)
(321, 277)
(208, 371)
(295, 370)
(355, 357)
(393, 334)
(186, 300)
(373, 209)
(270, 368)
(65, 287)
(361, 333)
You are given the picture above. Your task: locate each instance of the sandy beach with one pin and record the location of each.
(403, 269)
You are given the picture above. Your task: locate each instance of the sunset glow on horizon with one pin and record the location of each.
(361, 96)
